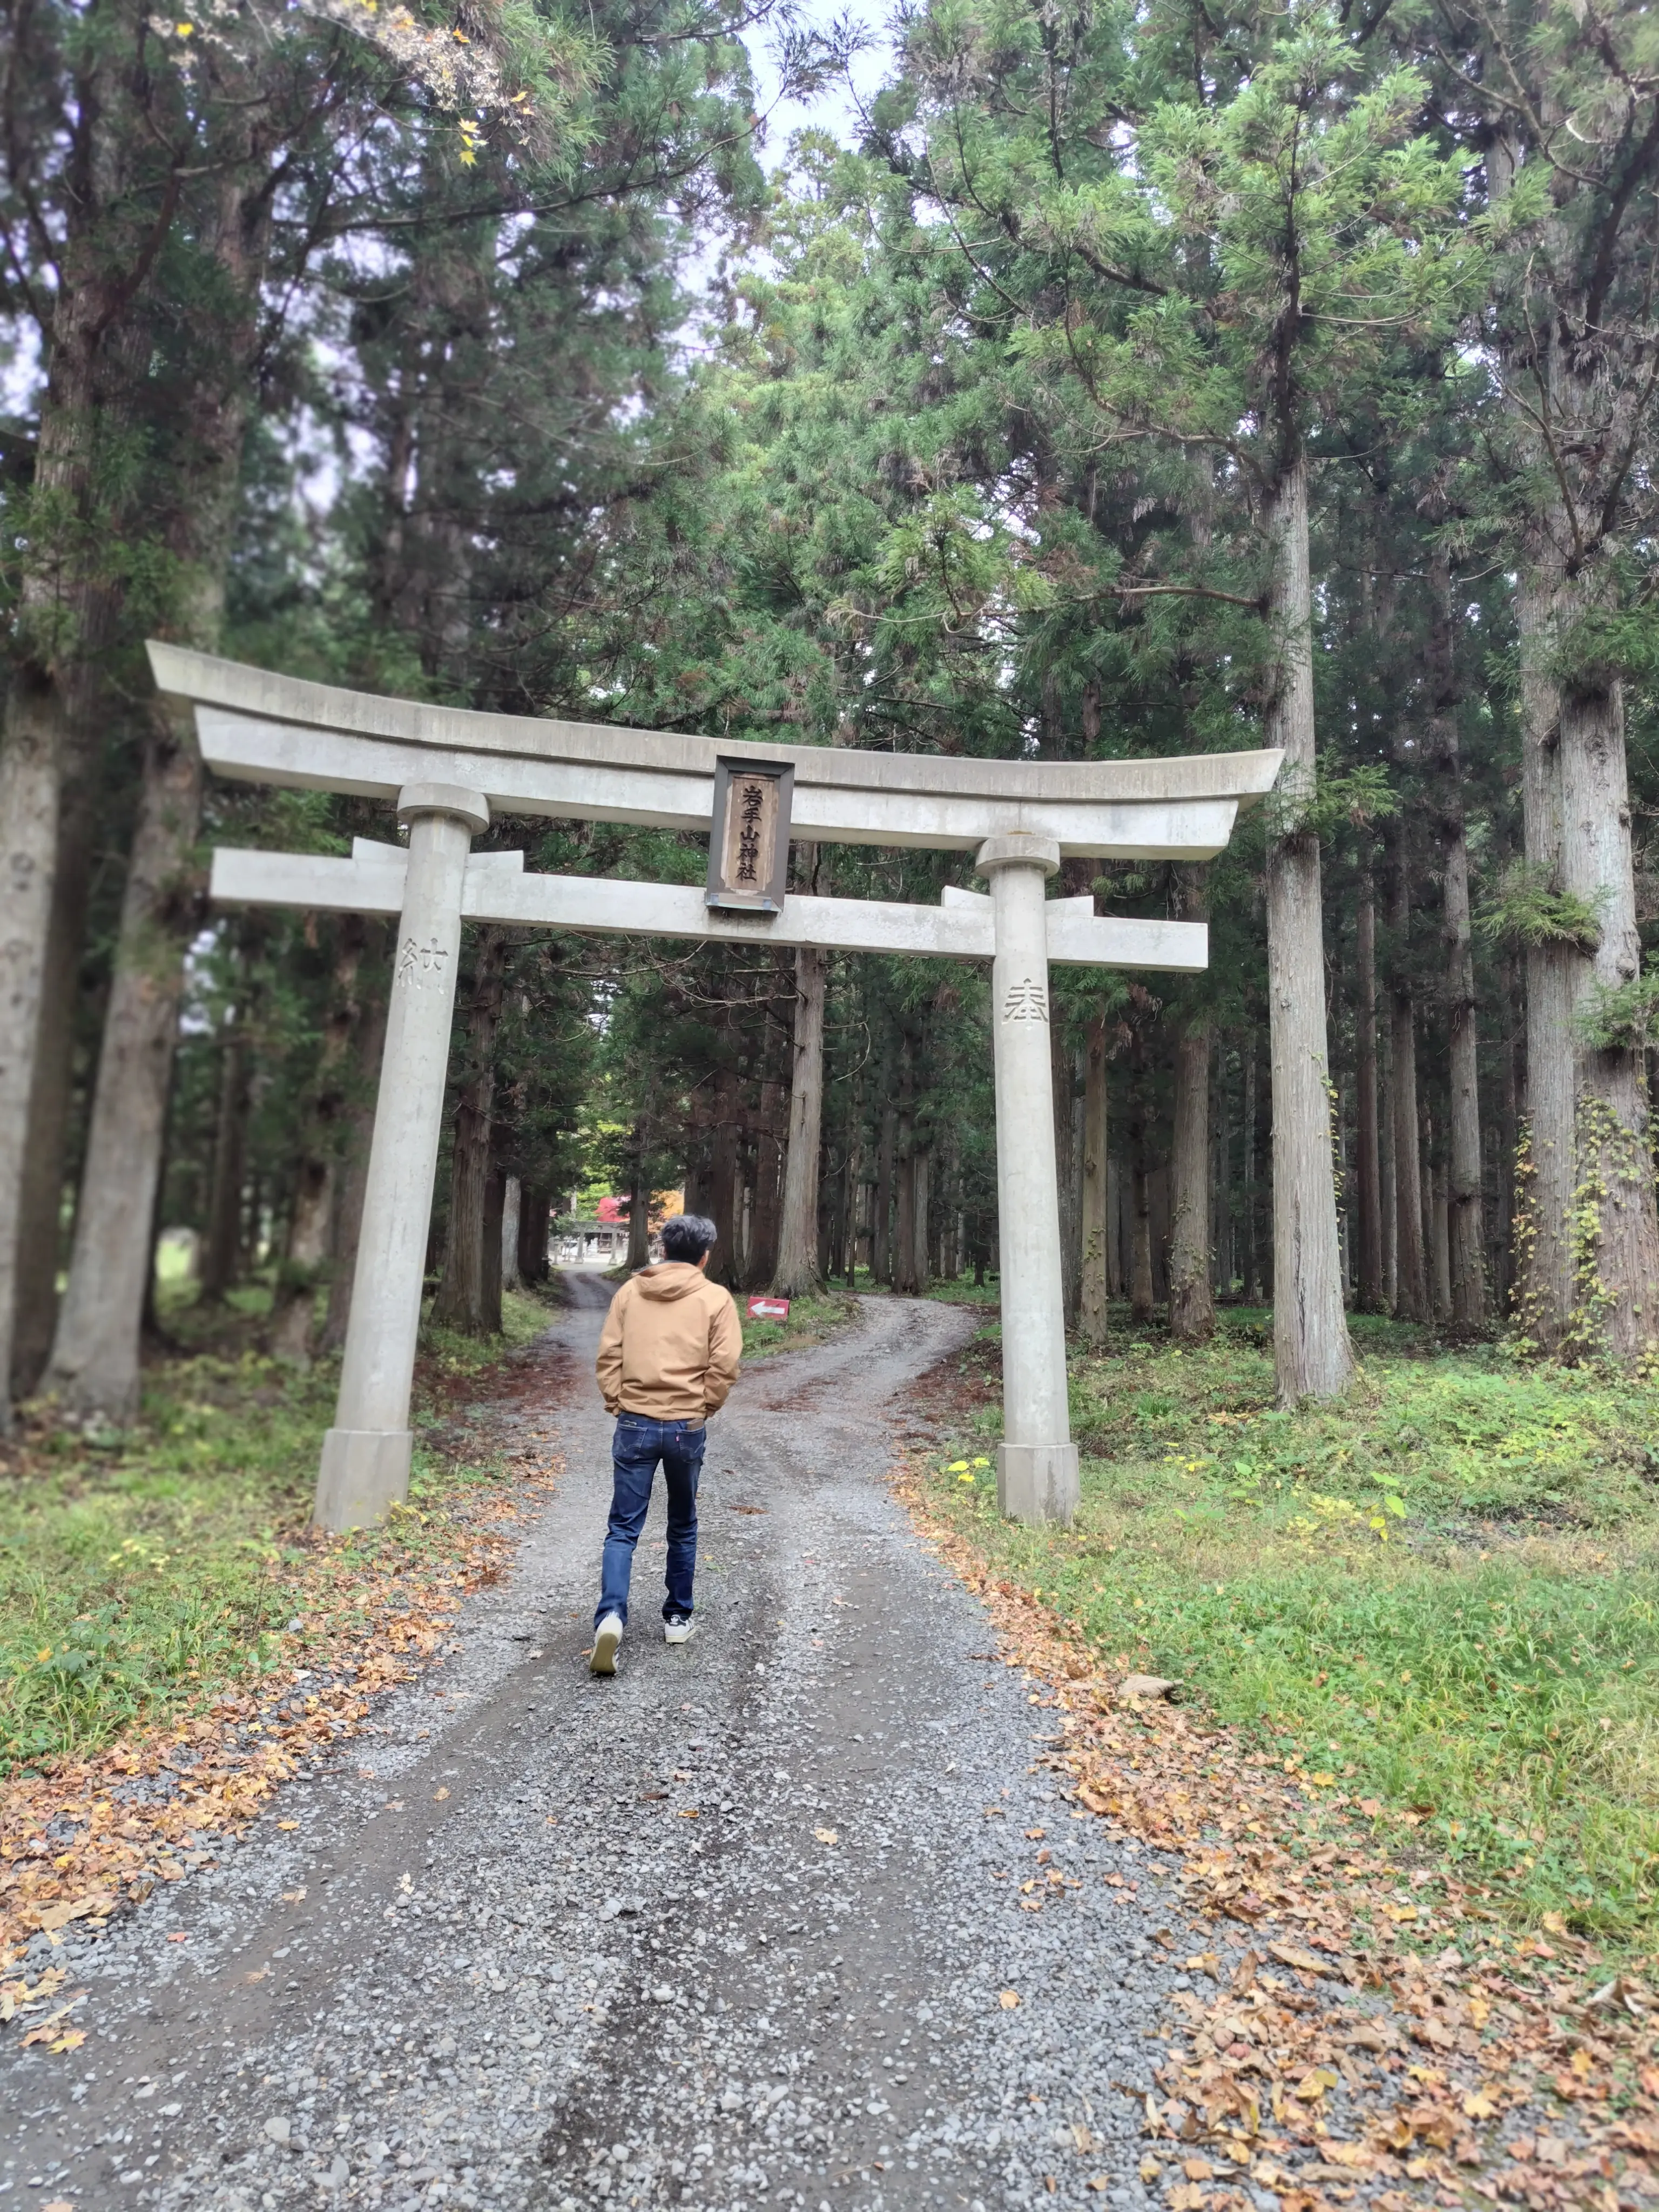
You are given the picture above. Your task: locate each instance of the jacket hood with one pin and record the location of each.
(668, 1278)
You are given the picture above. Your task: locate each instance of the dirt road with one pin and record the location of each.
(744, 1926)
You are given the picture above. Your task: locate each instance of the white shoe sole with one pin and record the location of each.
(605, 1646)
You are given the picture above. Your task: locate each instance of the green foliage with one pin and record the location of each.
(1619, 1017)
(1485, 1657)
(142, 1571)
(1522, 904)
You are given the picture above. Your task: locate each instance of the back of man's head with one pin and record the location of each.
(687, 1236)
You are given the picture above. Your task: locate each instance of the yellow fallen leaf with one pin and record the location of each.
(1008, 1999)
(826, 1835)
(1344, 2154)
(97, 1905)
(1315, 2084)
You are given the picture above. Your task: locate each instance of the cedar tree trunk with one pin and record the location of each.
(1312, 1356)
(797, 1274)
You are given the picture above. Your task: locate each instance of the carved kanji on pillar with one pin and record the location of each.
(1026, 1000)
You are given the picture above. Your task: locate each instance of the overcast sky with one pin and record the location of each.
(835, 109)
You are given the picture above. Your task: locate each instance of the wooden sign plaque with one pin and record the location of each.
(749, 836)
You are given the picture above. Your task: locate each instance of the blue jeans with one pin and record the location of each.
(638, 1445)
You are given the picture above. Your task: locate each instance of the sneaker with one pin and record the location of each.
(678, 1629)
(606, 1637)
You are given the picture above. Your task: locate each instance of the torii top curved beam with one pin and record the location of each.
(266, 728)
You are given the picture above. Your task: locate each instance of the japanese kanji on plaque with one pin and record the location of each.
(748, 844)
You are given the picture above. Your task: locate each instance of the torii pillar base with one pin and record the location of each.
(1037, 1482)
(362, 1474)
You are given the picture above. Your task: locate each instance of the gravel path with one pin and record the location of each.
(512, 1970)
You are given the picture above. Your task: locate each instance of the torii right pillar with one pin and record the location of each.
(1036, 1463)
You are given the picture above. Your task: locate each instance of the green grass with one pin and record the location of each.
(144, 1569)
(1442, 1592)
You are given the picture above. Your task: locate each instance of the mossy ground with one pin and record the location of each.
(145, 1569)
(1439, 1593)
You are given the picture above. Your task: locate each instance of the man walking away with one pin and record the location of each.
(668, 1357)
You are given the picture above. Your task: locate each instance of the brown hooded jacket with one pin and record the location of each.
(671, 1344)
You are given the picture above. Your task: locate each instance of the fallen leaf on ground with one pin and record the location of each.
(1345, 1980)
(1146, 1686)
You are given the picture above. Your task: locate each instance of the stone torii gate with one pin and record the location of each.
(449, 772)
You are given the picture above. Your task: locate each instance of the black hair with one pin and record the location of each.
(688, 1236)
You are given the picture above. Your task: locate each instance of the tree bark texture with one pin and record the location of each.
(221, 1251)
(1368, 1166)
(511, 1201)
(1068, 1169)
(1465, 1224)
(1191, 1297)
(1312, 1356)
(535, 1212)
(1578, 359)
(311, 1221)
(94, 1362)
(881, 1239)
(723, 1190)
(463, 1301)
(639, 1203)
(1410, 1296)
(1092, 1315)
(495, 1210)
(40, 1232)
(94, 1359)
(1547, 1301)
(797, 1274)
(368, 1049)
(67, 598)
(1142, 1295)
(1252, 1291)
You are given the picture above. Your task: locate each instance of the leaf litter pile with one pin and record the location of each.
(1385, 2039)
(88, 1838)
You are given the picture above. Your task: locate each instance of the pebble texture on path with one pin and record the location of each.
(513, 1970)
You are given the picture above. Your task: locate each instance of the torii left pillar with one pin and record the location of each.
(366, 1455)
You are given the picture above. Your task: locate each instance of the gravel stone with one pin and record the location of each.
(730, 1930)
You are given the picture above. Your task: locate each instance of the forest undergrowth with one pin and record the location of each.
(1432, 1602)
(142, 1572)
